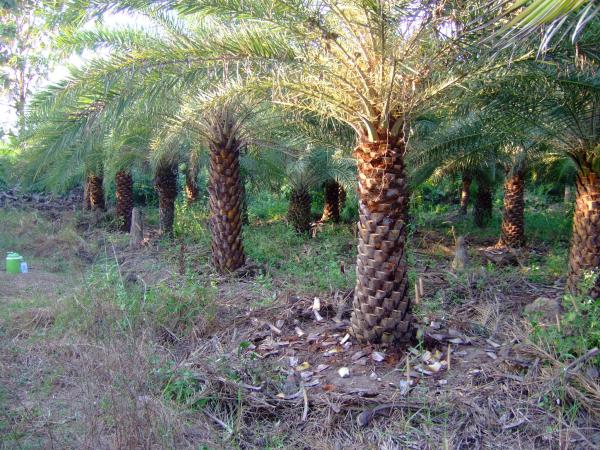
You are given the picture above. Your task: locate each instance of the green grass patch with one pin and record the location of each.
(310, 264)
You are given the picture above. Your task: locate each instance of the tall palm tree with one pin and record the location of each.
(370, 65)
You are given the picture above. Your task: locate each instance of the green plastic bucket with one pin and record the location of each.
(13, 263)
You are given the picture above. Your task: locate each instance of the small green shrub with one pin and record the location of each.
(181, 385)
(191, 221)
(266, 206)
(546, 268)
(312, 264)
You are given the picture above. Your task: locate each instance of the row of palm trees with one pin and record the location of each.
(403, 76)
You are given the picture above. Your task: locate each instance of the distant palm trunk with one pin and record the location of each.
(465, 193)
(96, 192)
(381, 306)
(299, 209)
(331, 209)
(225, 199)
(585, 241)
(124, 197)
(87, 201)
(191, 182)
(482, 209)
(165, 183)
(513, 221)
(342, 198)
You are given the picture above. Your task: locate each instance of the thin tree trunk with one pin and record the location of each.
(165, 183)
(225, 200)
(96, 190)
(331, 209)
(381, 306)
(585, 241)
(124, 196)
(465, 194)
(299, 209)
(482, 209)
(137, 228)
(512, 233)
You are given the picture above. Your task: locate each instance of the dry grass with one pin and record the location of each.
(135, 356)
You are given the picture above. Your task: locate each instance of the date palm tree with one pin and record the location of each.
(370, 65)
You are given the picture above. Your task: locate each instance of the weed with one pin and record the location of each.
(322, 263)
(578, 330)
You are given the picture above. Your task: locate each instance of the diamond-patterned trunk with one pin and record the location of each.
(124, 196)
(381, 306)
(165, 183)
(299, 209)
(465, 193)
(96, 192)
(225, 200)
(585, 241)
(512, 233)
(331, 209)
(482, 209)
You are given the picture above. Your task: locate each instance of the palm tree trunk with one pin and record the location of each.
(165, 184)
(585, 241)
(482, 209)
(225, 200)
(87, 201)
(191, 186)
(465, 194)
(341, 198)
(381, 306)
(331, 209)
(299, 209)
(96, 191)
(124, 196)
(512, 233)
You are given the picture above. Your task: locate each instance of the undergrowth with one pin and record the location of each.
(576, 331)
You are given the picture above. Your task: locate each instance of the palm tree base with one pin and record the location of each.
(512, 233)
(585, 242)
(166, 186)
(299, 210)
(331, 209)
(124, 197)
(225, 200)
(96, 192)
(381, 306)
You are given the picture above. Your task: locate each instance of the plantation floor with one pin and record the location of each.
(102, 346)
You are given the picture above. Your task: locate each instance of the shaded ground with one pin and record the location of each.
(151, 349)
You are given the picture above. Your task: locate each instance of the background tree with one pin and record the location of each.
(25, 26)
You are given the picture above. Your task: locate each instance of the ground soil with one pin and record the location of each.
(470, 380)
